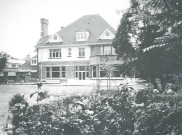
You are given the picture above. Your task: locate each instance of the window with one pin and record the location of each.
(55, 72)
(107, 50)
(47, 72)
(116, 72)
(33, 62)
(69, 52)
(82, 36)
(94, 71)
(82, 72)
(55, 53)
(82, 52)
(63, 72)
(55, 37)
(102, 72)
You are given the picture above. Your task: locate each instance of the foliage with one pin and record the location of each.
(18, 106)
(149, 40)
(112, 112)
(40, 95)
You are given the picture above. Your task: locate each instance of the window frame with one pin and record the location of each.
(94, 71)
(50, 72)
(69, 52)
(55, 53)
(82, 36)
(107, 50)
(81, 53)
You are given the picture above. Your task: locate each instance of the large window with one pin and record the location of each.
(82, 52)
(55, 72)
(82, 36)
(107, 50)
(115, 72)
(55, 53)
(82, 72)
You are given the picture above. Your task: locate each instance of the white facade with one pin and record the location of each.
(44, 53)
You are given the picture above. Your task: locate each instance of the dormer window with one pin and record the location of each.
(82, 36)
(55, 38)
(33, 62)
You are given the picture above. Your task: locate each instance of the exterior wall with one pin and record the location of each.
(43, 54)
(97, 59)
(70, 72)
(95, 50)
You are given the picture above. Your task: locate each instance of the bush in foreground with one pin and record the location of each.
(121, 112)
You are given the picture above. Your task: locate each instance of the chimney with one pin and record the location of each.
(44, 27)
(62, 28)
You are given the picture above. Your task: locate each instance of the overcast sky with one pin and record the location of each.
(20, 19)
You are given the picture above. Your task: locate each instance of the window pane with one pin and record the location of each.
(55, 74)
(59, 52)
(76, 74)
(94, 73)
(47, 74)
(63, 74)
(81, 52)
(63, 68)
(82, 68)
(55, 68)
(50, 53)
(102, 74)
(116, 74)
(94, 67)
(87, 68)
(76, 68)
(47, 68)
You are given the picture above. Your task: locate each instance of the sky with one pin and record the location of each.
(20, 20)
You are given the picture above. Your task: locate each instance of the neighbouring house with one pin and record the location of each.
(28, 72)
(10, 72)
(76, 51)
(18, 71)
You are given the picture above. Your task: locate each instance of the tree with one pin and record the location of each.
(108, 68)
(3, 61)
(156, 51)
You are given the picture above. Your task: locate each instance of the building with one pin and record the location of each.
(28, 72)
(19, 71)
(10, 72)
(76, 51)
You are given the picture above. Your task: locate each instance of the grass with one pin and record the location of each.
(7, 92)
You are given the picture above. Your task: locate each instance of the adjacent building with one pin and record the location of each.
(76, 51)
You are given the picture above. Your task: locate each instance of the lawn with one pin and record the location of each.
(7, 91)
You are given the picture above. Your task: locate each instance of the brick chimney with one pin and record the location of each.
(44, 27)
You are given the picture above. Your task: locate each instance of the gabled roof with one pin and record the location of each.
(51, 39)
(94, 24)
(27, 65)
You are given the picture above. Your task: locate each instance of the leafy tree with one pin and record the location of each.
(157, 51)
(3, 61)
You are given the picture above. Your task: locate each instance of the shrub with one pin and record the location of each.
(111, 112)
